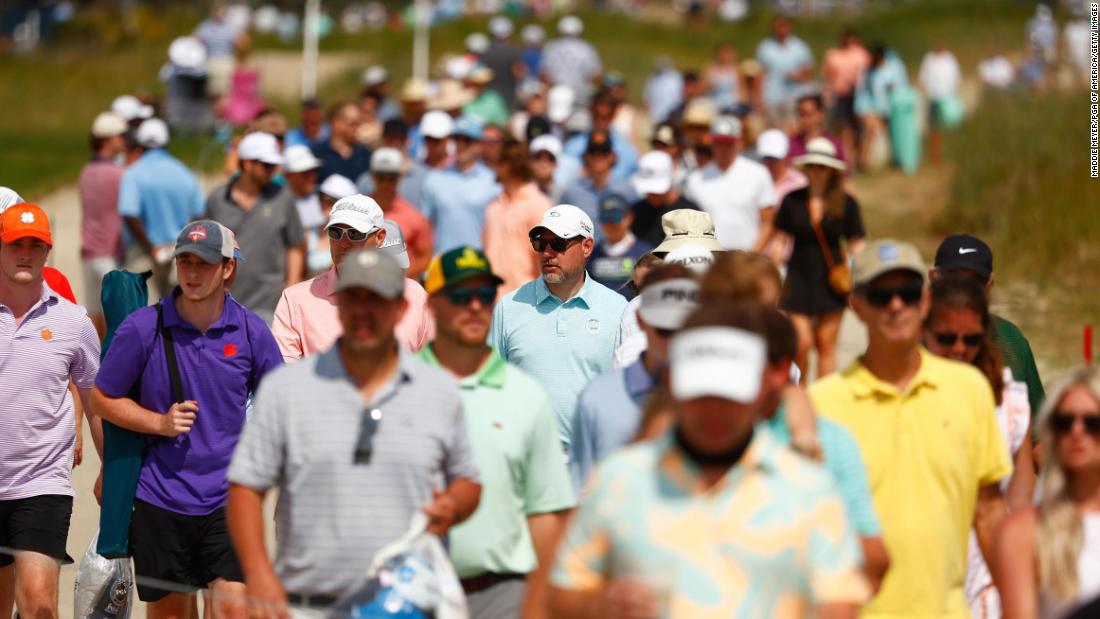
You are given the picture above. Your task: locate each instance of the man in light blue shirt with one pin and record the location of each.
(788, 67)
(603, 111)
(562, 327)
(157, 196)
(597, 181)
(609, 412)
(454, 199)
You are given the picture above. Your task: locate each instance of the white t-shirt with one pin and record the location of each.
(733, 198)
(939, 74)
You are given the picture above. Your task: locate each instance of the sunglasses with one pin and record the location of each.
(364, 446)
(353, 235)
(462, 296)
(881, 297)
(1063, 422)
(559, 245)
(971, 340)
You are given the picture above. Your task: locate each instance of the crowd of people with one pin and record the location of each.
(604, 369)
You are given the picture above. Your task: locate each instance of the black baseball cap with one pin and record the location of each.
(965, 252)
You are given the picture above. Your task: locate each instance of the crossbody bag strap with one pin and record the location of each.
(824, 245)
(170, 355)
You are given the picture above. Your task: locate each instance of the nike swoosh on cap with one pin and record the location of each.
(963, 250)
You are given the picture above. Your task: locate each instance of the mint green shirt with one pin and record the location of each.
(515, 441)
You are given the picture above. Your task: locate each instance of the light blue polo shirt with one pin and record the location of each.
(609, 414)
(843, 461)
(584, 195)
(563, 344)
(162, 193)
(455, 202)
(779, 60)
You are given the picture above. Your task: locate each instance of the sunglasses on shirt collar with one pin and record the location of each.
(368, 427)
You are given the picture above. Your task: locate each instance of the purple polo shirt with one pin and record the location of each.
(218, 369)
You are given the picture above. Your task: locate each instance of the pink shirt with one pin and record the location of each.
(844, 68)
(508, 220)
(100, 223)
(306, 320)
(793, 179)
(54, 343)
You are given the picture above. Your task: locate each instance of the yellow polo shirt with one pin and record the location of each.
(928, 450)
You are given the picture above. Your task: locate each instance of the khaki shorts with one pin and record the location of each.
(94, 270)
(219, 73)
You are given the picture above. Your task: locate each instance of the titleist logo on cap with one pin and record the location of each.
(352, 206)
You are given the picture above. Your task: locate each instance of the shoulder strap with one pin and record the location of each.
(824, 244)
(170, 355)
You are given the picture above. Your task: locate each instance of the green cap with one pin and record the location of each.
(456, 265)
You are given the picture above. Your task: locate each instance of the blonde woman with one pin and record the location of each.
(1047, 559)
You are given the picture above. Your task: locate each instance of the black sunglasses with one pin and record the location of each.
(368, 427)
(558, 244)
(910, 294)
(462, 296)
(1063, 422)
(353, 235)
(946, 338)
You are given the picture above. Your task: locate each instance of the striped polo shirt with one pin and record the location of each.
(54, 342)
(333, 515)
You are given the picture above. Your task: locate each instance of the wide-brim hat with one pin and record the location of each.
(820, 151)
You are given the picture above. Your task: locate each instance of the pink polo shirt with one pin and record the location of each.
(306, 320)
(508, 220)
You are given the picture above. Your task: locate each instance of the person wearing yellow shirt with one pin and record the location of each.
(927, 430)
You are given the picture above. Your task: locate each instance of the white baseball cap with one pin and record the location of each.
(152, 133)
(108, 125)
(717, 361)
(570, 26)
(667, 304)
(187, 53)
(501, 27)
(357, 211)
(375, 75)
(546, 142)
(566, 221)
(477, 43)
(654, 173)
(130, 108)
(532, 34)
(394, 243)
(559, 102)
(8, 197)
(338, 186)
(773, 144)
(299, 159)
(260, 146)
(436, 124)
(695, 257)
(386, 160)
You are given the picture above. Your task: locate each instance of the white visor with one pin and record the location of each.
(717, 361)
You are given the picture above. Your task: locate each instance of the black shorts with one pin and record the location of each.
(38, 524)
(190, 551)
(843, 114)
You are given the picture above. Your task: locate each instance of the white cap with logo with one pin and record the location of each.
(436, 124)
(566, 221)
(721, 362)
(695, 257)
(260, 146)
(357, 211)
(654, 173)
(667, 304)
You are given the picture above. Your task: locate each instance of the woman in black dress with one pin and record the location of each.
(824, 206)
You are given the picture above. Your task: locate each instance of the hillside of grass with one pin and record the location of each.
(51, 96)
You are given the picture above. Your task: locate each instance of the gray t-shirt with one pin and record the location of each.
(264, 233)
(333, 515)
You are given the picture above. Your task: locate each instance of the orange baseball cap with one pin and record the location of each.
(23, 220)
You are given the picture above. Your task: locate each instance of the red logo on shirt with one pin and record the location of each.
(197, 233)
(229, 350)
(47, 334)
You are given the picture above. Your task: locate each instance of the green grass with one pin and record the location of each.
(51, 97)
